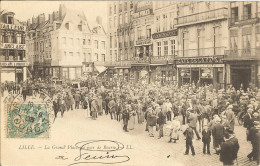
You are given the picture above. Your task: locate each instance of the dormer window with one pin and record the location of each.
(80, 27)
(10, 20)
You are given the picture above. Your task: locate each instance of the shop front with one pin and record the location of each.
(163, 74)
(14, 71)
(243, 74)
(201, 71)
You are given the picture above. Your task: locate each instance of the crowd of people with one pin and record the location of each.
(169, 110)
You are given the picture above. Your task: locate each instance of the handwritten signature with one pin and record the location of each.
(98, 151)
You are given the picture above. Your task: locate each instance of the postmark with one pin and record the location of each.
(28, 120)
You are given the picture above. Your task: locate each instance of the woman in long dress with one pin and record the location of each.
(176, 125)
(132, 114)
(85, 106)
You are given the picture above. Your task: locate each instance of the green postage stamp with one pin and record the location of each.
(27, 121)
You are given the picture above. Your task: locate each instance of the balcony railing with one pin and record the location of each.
(249, 53)
(202, 52)
(162, 59)
(202, 17)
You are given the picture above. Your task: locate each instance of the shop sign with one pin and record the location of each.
(200, 65)
(6, 64)
(143, 41)
(200, 60)
(13, 27)
(165, 34)
(12, 46)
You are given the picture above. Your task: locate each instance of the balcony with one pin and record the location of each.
(243, 54)
(245, 20)
(162, 59)
(207, 16)
(213, 51)
(143, 41)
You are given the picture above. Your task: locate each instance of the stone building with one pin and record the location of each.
(13, 63)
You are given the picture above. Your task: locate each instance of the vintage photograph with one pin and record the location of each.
(130, 83)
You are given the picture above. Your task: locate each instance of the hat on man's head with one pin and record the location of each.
(255, 114)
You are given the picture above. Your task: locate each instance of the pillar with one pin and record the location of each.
(24, 74)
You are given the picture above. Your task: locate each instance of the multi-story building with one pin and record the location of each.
(243, 56)
(203, 38)
(143, 22)
(63, 44)
(120, 47)
(165, 41)
(13, 62)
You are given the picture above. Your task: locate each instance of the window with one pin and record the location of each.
(115, 40)
(185, 42)
(201, 39)
(217, 40)
(233, 44)
(258, 40)
(125, 6)
(96, 56)
(110, 39)
(64, 40)
(103, 45)
(246, 43)
(114, 9)
(126, 18)
(10, 20)
(96, 44)
(148, 32)
(84, 41)
(115, 55)
(165, 24)
(172, 20)
(84, 56)
(115, 21)
(139, 32)
(89, 57)
(234, 14)
(19, 39)
(120, 19)
(103, 57)
(165, 43)
(247, 12)
(71, 54)
(78, 41)
(89, 42)
(172, 47)
(158, 24)
(159, 48)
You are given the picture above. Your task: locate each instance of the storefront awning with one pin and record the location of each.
(100, 69)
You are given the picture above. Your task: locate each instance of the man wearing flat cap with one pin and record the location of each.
(248, 121)
(252, 138)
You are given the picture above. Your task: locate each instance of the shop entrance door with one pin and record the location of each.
(241, 76)
(194, 76)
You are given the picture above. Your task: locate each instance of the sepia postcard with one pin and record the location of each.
(130, 83)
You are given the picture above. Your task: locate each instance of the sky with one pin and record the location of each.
(25, 10)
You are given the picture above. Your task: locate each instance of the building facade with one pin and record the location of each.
(63, 44)
(13, 61)
(165, 42)
(243, 56)
(203, 39)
